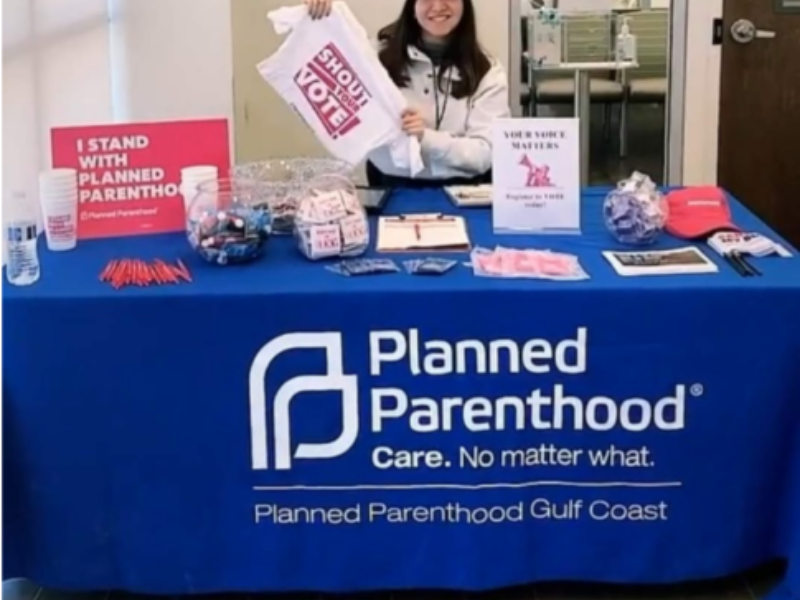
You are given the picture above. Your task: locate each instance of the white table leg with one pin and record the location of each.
(583, 105)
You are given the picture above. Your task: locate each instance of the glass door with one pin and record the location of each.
(625, 48)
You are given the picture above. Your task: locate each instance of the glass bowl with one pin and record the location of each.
(330, 220)
(635, 213)
(228, 222)
(285, 181)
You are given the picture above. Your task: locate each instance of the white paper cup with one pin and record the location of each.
(60, 225)
(48, 188)
(58, 207)
(58, 178)
(200, 171)
(58, 182)
(52, 202)
(58, 174)
(47, 195)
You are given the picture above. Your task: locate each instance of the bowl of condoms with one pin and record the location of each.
(285, 181)
(228, 222)
(635, 212)
(331, 221)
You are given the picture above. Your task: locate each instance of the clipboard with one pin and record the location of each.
(433, 232)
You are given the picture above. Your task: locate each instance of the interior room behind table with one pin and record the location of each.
(454, 89)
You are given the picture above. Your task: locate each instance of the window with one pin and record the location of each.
(56, 72)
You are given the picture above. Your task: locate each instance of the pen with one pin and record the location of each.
(417, 231)
(750, 269)
(731, 260)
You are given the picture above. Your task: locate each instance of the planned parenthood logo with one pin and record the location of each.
(542, 397)
(276, 433)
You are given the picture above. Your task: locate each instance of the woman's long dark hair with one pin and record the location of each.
(463, 51)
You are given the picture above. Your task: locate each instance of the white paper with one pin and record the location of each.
(326, 240)
(536, 176)
(355, 231)
(682, 261)
(470, 195)
(330, 207)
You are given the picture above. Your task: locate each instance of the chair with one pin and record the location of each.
(588, 39)
(649, 83)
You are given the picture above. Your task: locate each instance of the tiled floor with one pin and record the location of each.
(645, 147)
(753, 585)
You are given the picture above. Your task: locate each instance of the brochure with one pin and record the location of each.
(683, 261)
(470, 196)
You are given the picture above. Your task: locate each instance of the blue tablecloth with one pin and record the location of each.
(450, 432)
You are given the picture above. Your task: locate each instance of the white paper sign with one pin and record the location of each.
(536, 176)
(355, 231)
(326, 240)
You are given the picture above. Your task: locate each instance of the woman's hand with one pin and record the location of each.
(319, 8)
(414, 123)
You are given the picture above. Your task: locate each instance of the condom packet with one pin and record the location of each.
(429, 266)
(509, 263)
(364, 266)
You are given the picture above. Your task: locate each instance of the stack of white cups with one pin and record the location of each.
(192, 177)
(58, 196)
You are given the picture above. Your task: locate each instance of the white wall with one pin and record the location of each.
(87, 62)
(174, 59)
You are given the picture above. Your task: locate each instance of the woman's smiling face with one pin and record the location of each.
(439, 18)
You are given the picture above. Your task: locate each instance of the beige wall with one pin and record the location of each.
(265, 127)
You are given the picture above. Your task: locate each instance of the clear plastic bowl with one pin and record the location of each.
(330, 220)
(228, 221)
(286, 181)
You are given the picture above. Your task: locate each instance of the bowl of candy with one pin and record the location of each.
(635, 212)
(330, 220)
(285, 181)
(228, 221)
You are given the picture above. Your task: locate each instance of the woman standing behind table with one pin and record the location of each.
(454, 88)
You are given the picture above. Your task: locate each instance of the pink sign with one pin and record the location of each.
(129, 175)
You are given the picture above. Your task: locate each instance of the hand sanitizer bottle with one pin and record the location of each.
(547, 38)
(626, 43)
(21, 235)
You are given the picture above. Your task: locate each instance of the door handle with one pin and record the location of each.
(745, 31)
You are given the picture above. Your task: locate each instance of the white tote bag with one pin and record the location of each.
(330, 73)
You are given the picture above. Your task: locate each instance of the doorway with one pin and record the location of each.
(759, 123)
(629, 102)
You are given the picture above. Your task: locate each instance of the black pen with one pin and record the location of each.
(746, 264)
(731, 260)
